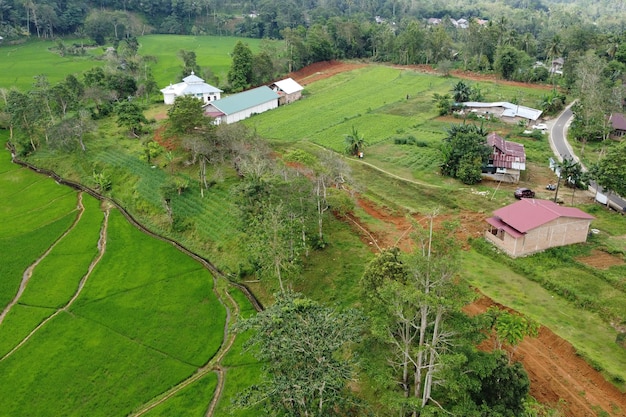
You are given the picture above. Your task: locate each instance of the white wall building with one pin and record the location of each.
(192, 85)
(242, 105)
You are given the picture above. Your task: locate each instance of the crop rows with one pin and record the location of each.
(343, 99)
(148, 180)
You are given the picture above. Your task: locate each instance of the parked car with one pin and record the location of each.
(551, 187)
(524, 193)
(540, 126)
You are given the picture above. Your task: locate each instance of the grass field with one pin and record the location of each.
(20, 63)
(211, 52)
(591, 336)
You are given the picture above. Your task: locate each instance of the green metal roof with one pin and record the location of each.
(245, 100)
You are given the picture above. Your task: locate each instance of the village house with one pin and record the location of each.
(557, 66)
(240, 106)
(505, 111)
(506, 162)
(618, 125)
(288, 90)
(192, 85)
(531, 225)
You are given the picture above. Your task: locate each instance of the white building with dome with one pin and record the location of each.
(192, 85)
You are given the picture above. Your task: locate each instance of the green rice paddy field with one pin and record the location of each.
(21, 63)
(145, 320)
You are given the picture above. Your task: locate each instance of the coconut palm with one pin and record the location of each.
(461, 92)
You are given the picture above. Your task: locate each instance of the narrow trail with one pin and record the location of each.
(28, 273)
(81, 284)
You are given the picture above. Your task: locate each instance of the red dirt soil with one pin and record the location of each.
(559, 377)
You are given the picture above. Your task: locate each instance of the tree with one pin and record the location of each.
(186, 114)
(465, 151)
(190, 65)
(409, 301)
(461, 92)
(355, 142)
(443, 102)
(511, 62)
(240, 73)
(304, 347)
(610, 171)
(130, 115)
(567, 168)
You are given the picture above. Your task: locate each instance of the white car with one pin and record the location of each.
(540, 126)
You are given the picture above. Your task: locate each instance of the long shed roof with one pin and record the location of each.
(244, 100)
(510, 109)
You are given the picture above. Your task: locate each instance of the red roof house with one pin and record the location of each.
(532, 225)
(506, 162)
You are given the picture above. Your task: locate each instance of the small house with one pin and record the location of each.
(192, 85)
(618, 125)
(288, 90)
(557, 66)
(507, 160)
(240, 106)
(531, 225)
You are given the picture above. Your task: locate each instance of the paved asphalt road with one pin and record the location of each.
(561, 148)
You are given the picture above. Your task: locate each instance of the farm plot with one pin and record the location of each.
(146, 319)
(76, 367)
(39, 213)
(194, 399)
(365, 98)
(20, 63)
(55, 279)
(156, 295)
(242, 369)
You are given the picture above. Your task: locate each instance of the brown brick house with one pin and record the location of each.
(532, 225)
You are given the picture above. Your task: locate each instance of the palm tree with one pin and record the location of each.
(355, 142)
(554, 48)
(567, 169)
(461, 92)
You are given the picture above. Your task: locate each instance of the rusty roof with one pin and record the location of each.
(505, 153)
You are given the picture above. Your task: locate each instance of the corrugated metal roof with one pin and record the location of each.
(245, 100)
(510, 109)
(499, 224)
(289, 86)
(505, 153)
(530, 213)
